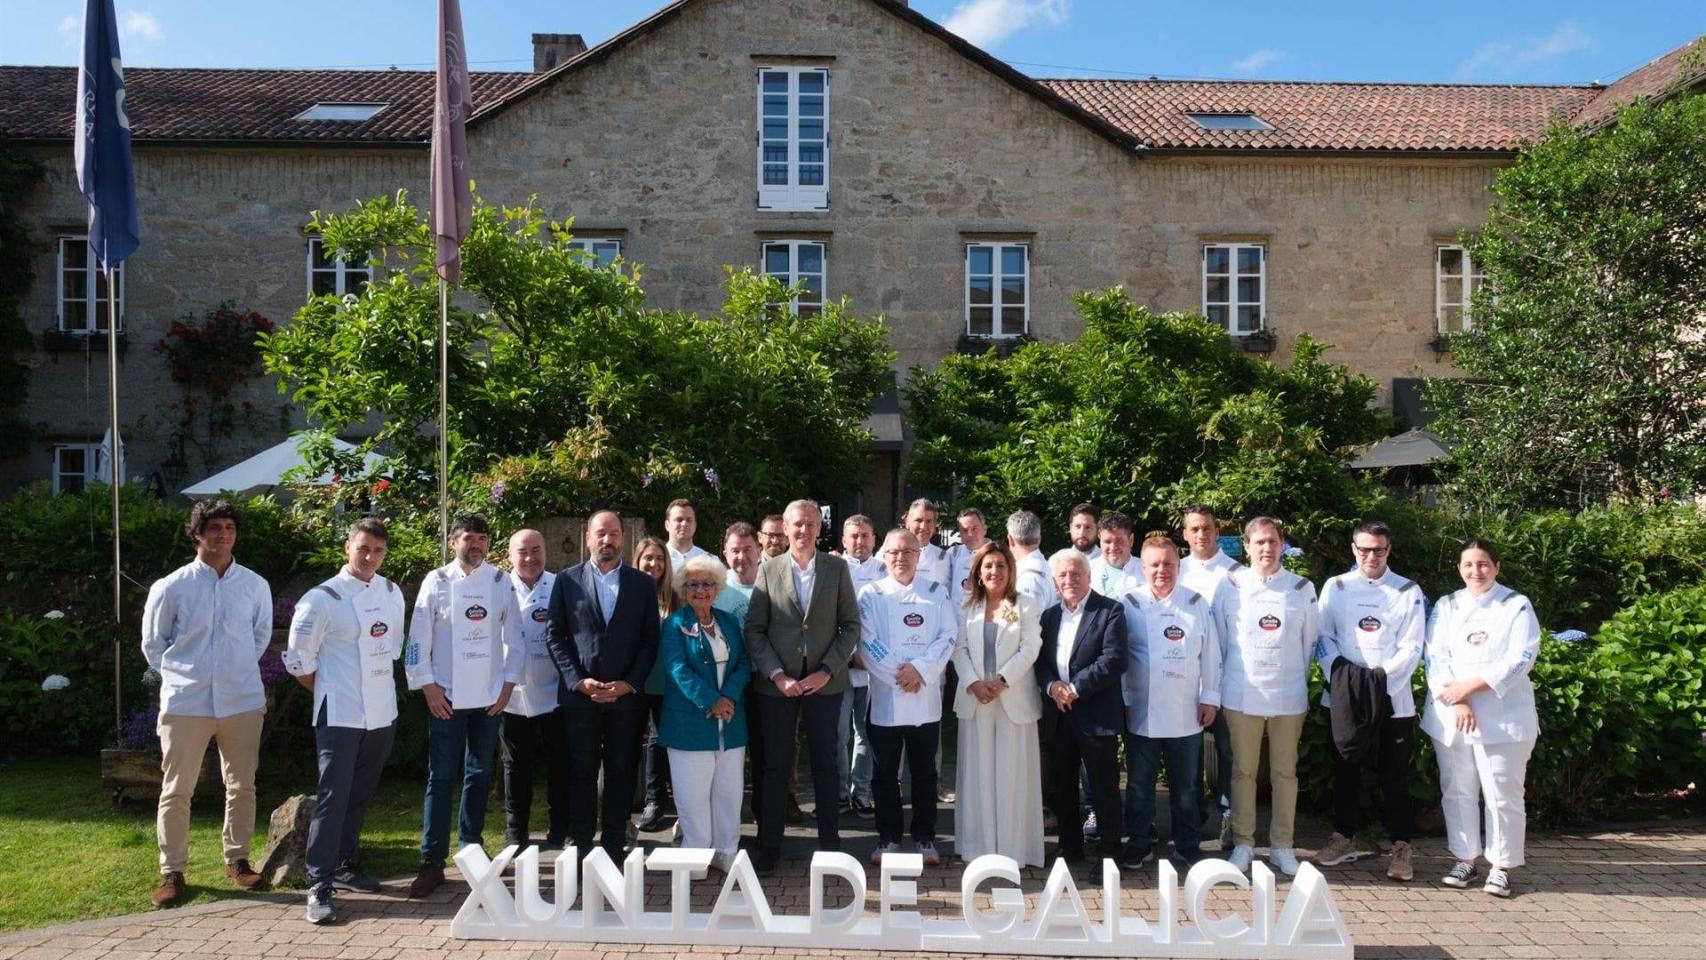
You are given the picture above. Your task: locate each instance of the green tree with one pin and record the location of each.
(1144, 413)
(1586, 364)
(565, 391)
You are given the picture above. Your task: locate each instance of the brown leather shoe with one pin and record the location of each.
(170, 891)
(243, 875)
(427, 879)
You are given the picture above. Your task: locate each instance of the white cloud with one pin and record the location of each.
(70, 27)
(139, 26)
(1511, 55)
(988, 22)
(1256, 61)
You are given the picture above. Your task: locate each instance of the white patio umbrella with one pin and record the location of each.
(267, 469)
(1412, 448)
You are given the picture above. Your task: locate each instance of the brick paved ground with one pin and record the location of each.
(1630, 894)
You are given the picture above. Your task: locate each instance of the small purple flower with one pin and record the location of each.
(139, 730)
(712, 478)
(272, 669)
(645, 480)
(498, 492)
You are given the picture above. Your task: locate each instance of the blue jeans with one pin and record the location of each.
(1144, 756)
(463, 745)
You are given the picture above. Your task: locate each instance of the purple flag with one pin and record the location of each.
(102, 146)
(452, 204)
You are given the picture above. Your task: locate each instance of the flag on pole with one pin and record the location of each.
(452, 205)
(103, 139)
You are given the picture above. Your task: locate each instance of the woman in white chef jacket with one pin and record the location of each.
(1482, 641)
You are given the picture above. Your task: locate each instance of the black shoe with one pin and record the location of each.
(320, 906)
(1096, 872)
(863, 809)
(651, 818)
(1133, 858)
(554, 843)
(765, 863)
(1188, 858)
(519, 843)
(349, 877)
(1070, 856)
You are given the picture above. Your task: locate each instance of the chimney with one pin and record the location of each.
(553, 49)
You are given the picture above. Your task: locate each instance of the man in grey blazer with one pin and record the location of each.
(801, 627)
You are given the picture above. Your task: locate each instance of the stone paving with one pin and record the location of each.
(1631, 893)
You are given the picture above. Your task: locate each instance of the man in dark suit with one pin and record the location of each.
(604, 638)
(1080, 669)
(801, 627)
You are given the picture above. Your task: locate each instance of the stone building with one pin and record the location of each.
(854, 145)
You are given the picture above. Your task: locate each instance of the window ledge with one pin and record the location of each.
(1262, 341)
(976, 345)
(60, 341)
(1441, 343)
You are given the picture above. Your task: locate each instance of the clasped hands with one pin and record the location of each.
(600, 691)
(987, 691)
(1062, 694)
(723, 709)
(804, 687)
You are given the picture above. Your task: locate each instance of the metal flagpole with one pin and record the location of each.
(113, 482)
(443, 421)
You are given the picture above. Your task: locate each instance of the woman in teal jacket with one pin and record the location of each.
(703, 656)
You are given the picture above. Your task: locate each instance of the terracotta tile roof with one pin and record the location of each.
(1329, 116)
(1681, 68)
(37, 103)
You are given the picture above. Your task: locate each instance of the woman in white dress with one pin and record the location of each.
(998, 805)
(1482, 642)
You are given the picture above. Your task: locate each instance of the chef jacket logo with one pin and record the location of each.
(913, 619)
(1477, 638)
(1174, 632)
(1368, 624)
(1269, 622)
(540, 615)
(475, 613)
(378, 630)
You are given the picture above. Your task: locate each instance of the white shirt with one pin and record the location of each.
(1374, 623)
(869, 570)
(901, 624)
(608, 585)
(935, 565)
(205, 634)
(1069, 621)
(1036, 580)
(537, 692)
(805, 579)
(1094, 553)
(328, 641)
(679, 557)
(1172, 661)
(432, 654)
(1115, 582)
(1268, 628)
(1495, 637)
(959, 572)
(1206, 576)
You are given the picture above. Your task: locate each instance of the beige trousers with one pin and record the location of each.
(1283, 733)
(183, 743)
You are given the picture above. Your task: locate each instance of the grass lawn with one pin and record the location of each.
(67, 854)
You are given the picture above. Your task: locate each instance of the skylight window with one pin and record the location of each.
(347, 112)
(1229, 121)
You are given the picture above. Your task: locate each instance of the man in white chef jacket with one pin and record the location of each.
(533, 732)
(906, 634)
(345, 637)
(934, 562)
(974, 533)
(465, 656)
(1172, 691)
(680, 522)
(859, 549)
(1204, 569)
(1115, 572)
(1268, 626)
(1033, 577)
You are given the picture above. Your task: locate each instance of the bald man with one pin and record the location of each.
(533, 733)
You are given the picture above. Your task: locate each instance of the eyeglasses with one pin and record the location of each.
(1371, 551)
(900, 553)
(700, 585)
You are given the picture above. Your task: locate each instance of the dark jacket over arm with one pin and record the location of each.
(586, 646)
(1096, 667)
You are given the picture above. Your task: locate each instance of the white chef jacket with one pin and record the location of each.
(1206, 576)
(901, 624)
(1374, 623)
(1173, 656)
(869, 570)
(1112, 582)
(433, 652)
(1034, 579)
(537, 693)
(959, 571)
(205, 634)
(348, 634)
(1268, 629)
(935, 565)
(1495, 637)
(679, 557)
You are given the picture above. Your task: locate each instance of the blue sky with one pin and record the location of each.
(1518, 41)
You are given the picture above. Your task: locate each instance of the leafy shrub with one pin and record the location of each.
(34, 648)
(1658, 649)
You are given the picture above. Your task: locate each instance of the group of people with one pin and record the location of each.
(669, 665)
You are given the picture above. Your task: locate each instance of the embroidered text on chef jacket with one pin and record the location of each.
(1173, 655)
(1268, 628)
(537, 692)
(901, 624)
(1495, 637)
(465, 635)
(348, 634)
(1374, 623)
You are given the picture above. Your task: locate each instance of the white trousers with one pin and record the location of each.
(1471, 772)
(707, 786)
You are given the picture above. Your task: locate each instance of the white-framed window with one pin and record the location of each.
(793, 138)
(83, 294)
(798, 262)
(1456, 278)
(998, 289)
(1235, 286)
(74, 466)
(604, 250)
(329, 275)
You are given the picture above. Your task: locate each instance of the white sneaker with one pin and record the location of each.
(1285, 860)
(882, 848)
(928, 852)
(1241, 856)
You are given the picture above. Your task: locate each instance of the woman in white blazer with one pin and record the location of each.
(998, 805)
(1482, 642)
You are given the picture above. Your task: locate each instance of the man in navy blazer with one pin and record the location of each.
(1080, 669)
(604, 638)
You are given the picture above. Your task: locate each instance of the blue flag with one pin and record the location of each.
(103, 139)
